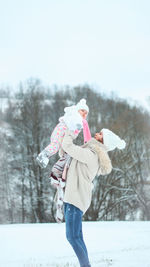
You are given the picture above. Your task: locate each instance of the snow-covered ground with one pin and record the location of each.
(116, 244)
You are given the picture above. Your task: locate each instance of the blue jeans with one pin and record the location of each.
(73, 219)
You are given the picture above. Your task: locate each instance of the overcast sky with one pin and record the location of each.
(105, 43)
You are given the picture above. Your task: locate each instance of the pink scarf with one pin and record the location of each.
(86, 131)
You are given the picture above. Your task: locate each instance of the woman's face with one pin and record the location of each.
(83, 113)
(99, 137)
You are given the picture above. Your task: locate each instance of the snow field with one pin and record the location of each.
(116, 244)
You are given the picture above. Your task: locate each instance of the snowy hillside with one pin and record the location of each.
(3, 104)
(116, 244)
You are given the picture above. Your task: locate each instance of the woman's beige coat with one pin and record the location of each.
(87, 161)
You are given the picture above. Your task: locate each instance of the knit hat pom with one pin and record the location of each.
(82, 105)
(82, 101)
(121, 144)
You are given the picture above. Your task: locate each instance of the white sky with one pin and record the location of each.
(103, 43)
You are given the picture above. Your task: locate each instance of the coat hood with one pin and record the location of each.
(105, 166)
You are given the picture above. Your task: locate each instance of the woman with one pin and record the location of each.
(87, 161)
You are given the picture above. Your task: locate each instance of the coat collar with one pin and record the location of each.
(93, 141)
(105, 166)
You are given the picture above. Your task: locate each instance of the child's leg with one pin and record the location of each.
(56, 138)
(53, 147)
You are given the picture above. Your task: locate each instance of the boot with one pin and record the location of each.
(43, 158)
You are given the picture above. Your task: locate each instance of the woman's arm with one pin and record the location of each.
(83, 155)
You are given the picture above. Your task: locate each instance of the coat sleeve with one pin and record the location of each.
(84, 155)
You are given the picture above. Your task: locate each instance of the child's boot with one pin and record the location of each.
(43, 158)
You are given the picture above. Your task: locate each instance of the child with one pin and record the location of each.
(74, 119)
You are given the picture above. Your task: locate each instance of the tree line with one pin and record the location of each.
(26, 195)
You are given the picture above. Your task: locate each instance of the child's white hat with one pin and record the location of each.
(82, 105)
(112, 141)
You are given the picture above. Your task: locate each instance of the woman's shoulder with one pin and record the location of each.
(105, 165)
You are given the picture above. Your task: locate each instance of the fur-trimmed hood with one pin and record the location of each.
(105, 166)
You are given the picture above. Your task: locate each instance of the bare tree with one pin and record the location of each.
(25, 191)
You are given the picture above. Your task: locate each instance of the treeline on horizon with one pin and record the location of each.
(25, 128)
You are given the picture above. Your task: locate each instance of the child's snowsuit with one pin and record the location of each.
(71, 120)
